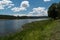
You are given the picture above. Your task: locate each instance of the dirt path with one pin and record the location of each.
(55, 35)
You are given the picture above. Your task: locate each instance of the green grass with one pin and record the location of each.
(39, 30)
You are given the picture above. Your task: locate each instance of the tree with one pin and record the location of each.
(52, 11)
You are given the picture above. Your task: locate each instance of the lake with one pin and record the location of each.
(11, 26)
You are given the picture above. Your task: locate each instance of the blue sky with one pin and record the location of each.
(25, 7)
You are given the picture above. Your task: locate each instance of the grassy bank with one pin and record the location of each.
(39, 30)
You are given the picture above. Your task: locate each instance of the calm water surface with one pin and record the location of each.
(10, 26)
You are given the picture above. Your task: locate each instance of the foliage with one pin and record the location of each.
(54, 10)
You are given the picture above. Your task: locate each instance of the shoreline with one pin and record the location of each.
(39, 30)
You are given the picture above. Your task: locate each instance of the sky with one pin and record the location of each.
(25, 7)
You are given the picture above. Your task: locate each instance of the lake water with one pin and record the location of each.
(11, 26)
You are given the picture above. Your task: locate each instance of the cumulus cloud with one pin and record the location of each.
(40, 11)
(17, 9)
(25, 4)
(22, 7)
(46, 0)
(5, 3)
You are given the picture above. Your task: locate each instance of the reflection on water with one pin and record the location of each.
(7, 26)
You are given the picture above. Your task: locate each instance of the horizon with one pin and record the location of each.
(25, 7)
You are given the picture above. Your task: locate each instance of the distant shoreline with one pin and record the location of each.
(21, 17)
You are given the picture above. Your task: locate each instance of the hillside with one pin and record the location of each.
(39, 30)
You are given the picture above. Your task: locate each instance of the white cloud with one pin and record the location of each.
(40, 11)
(22, 7)
(46, 0)
(17, 9)
(6, 3)
(10, 5)
(24, 4)
(1, 7)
